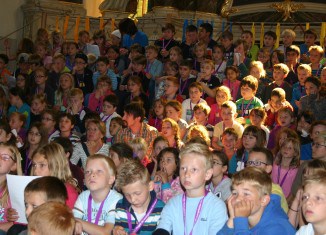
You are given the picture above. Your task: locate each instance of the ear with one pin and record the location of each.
(269, 169)
(14, 167)
(224, 168)
(209, 174)
(111, 179)
(265, 200)
(151, 185)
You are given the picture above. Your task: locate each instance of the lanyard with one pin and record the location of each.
(218, 68)
(105, 119)
(142, 221)
(198, 210)
(279, 175)
(211, 186)
(302, 90)
(181, 90)
(99, 212)
(27, 163)
(148, 67)
(192, 112)
(247, 107)
(165, 46)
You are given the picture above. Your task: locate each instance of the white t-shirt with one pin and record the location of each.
(306, 230)
(187, 109)
(107, 121)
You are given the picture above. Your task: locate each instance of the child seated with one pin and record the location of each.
(103, 68)
(229, 140)
(119, 153)
(116, 125)
(257, 117)
(201, 112)
(82, 74)
(155, 119)
(17, 101)
(16, 123)
(232, 74)
(172, 85)
(139, 147)
(139, 210)
(185, 78)
(222, 94)
(252, 207)
(197, 211)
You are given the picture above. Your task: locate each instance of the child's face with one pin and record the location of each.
(288, 151)
(278, 75)
(246, 92)
(287, 40)
(200, 116)
(221, 97)
(249, 141)
(40, 78)
(151, 54)
(112, 54)
(138, 194)
(262, 57)
(283, 137)
(33, 200)
(269, 41)
(194, 173)
(200, 52)
(315, 56)
(93, 133)
(317, 130)
(20, 81)
(65, 82)
(167, 164)
(192, 37)
(231, 75)
(65, 124)
(275, 58)
(226, 42)
(97, 175)
(228, 141)
(48, 122)
(239, 49)
(15, 123)
(13, 99)
(99, 41)
(7, 161)
(103, 86)
(133, 87)
(314, 204)
(323, 76)
(40, 166)
(115, 158)
(247, 37)
(207, 70)
(170, 71)
(255, 119)
(4, 136)
(114, 127)
(102, 67)
(108, 108)
(137, 68)
(303, 125)
(168, 34)
(276, 103)
(34, 136)
(41, 51)
(174, 56)
(170, 88)
(159, 146)
(292, 57)
(72, 50)
(318, 148)
(302, 75)
(195, 94)
(254, 71)
(172, 113)
(217, 54)
(167, 130)
(218, 168)
(158, 109)
(83, 39)
(257, 159)
(284, 119)
(227, 114)
(309, 39)
(311, 89)
(80, 64)
(115, 40)
(184, 71)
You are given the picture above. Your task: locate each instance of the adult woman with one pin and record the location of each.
(130, 34)
(95, 132)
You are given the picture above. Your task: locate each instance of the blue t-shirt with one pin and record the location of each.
(24, 109)
(140, 38)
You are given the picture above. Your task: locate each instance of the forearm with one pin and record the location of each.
(94, 229)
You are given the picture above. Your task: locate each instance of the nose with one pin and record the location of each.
(28, 211)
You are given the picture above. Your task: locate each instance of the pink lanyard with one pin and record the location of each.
(246, 108)
(198, 210)
(279, 175)
(140, 224)
(165, 46)
(99, 212)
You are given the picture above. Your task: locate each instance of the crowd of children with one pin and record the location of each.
(198, 137)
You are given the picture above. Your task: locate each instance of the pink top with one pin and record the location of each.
(95, 104)
(72, 195)
(284, 177)
(233, 86)
(166, 191)
(214, 116)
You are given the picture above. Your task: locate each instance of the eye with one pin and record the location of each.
(305, 197)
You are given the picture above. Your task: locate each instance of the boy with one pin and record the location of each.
(16, 99)
(202, 212)
(252, 207)
(83, 75)
(201, 112)
(4, 72)
(248, 87)
(263, 158)
(167, 41)
(228, 113)
(229, 139)
(205, 35)
(109, 107)
(195, 92)
(207, 80)
(172, 85)
(103, 68)
(185, 68)
(310, 36)
(58, 68)
(187, 46)
(313, 204)
(51, 218)
(288, 37)
(292, 61)
(298, 89)
(139, 211)
(269, 40)
(227, 43)
(253, 48)
(316, 54)
(275, 103)
(279, 74)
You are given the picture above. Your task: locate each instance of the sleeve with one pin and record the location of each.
(241, 226)
(79, 209)
(233, 164)
(184, 110)
(157, 70)
(225, 230)
(114, 79)
(167, 217)
(76, 154)
(218, 214)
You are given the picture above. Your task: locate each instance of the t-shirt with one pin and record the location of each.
(284, 177)
(219, 129)
(188, 107)
(306, 230)
(244, 107)
(222, 190)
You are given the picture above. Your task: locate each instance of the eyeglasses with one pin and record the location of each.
(255, 163)
(34, 133)
(216, 163)
(317, 145)
(5, 157)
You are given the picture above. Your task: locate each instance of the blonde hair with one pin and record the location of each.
(60, 92)
(204, 107)
(288, 32)
(230, 105)
(317, 48)
(202, 131)
(76, 92)
(199, 150)
(257, 177)
(305, 67)
(225, 90)
(209, 62)
(100, 125)
(259, 65)
(139, 143)
(295, 162)
(318, 178)
(283, 67)
(108, 161)
(176, 130)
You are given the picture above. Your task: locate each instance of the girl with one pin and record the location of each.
(22, 82)
(49, 121)
(99, 39)
(156, 118)
(116, 125)
(159, 144)
(286, 165)
(277, 57)
(38, 105)
(220, 184)
(200, 53)
(198, 130)
(119, 153)
(36, 137)
(16, 123)
(257, 118)
(175, 54)
(229, 140)
(222, 94)
(51, 160)
(66, 83)
(285, 118)
(10, 164)
(167, 183)
(140, 147)
(173, 110)
(257, 70)
(118, 63)
(42, 36)
(220, 62)
(171, 131)
(264, 56)
(57, 41)
(252, 137)
(5, 133)
(42, 51)
(232, 73)
(201, 112)
(71, 54)
(283, 134)
(41, 76)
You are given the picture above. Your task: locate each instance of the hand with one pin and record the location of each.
(194, 72)
(118, 230)
(78, 228)
(243, 208)
(241, 120)
(12, 215)
(231, 211)
(164, 52)
(148, 75)
(162, 176)
(270, 106)
(298, 103)
(123, 51)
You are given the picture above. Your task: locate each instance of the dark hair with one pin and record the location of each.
(15, 91)
(307, 115)
(123, 150)
(135, 110)
(310, 31)
(127, 26)
(4, 125)
(140, 59)
(115, 48)
(175, 153)
(268, 154)
(279, 54)
(191, 28)
(222, 48)
(100, 33)
(227, 35)
(187, 63)
(82, 56)
(257, 133)
(247, 32)
(239, 42)
(5, 58)
(137, 47)
(103, 59)
(271, 34)
(208, 27)
(314, 80)
(27, 46)
(53, 113)
(233, 68)
(222, 156)
(92, 116)
(66, 144)
(168, 26)
(35, 59)
(112, 99)
(294, 48)
(251, 81)
(120, 121)
(159, 139)
(43, 132)
(82, 32)
(197, 140)
(69, 116)
(51, 186)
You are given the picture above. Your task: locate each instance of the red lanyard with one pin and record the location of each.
(99, 212)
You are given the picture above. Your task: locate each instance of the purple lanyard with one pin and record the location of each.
(148, 67)
(165, 46)
(105, 119)
(279, 175)
(198, 210)
(181, 90)
(99, 212)
(216, 71)
(192, 112)
(302, 90)
(27, 163)
(247, 107)
(140, 224)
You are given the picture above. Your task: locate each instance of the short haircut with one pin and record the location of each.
(307, 115)
(222, 48)
(208, 27)
(225, 90)
(4, 58)
(317, 48)
(112, 99)
(174, 104)
(233, 68)
(251, 81)
(314, 166)
(135, 110)
(283, 67)
(35, 59)
(131, 172)
(279, 54)
(257, 177)
(174, 80)
(259, 111)
(53, 113)
(21, 116)
(52, 187)
(108, 161)
(268, 154)
(82, 33)
(65, 144)
(243, 42)
(139, 143)
(227, 35)
(196, 85)
(168, 26)
(222, 156)
(76, 92)
(288, 32)
(16, 91)
(140, 59)
(305, 67)
(42, 70)
(293, 48)
(100, 33)
(152, 47)
(271, 34)
(123, 150)
(204, 107)
(314, 80)
(230, 105)
(230, 131)
(104, 78)
(199, 150)
(287, 110)
(247, 32)
(209, 62)
(191, 28)
(137, 48)
(311, 32)
(100, 125)
(51, 218)
(127, 26)
(59, 56)
(259, 65)
(318, 178)
(278, 92)
(103, 59)
(69, 116)
(200, 45)
(186, 63)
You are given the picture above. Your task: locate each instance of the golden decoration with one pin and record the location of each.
(227, 8)
(286, 8)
